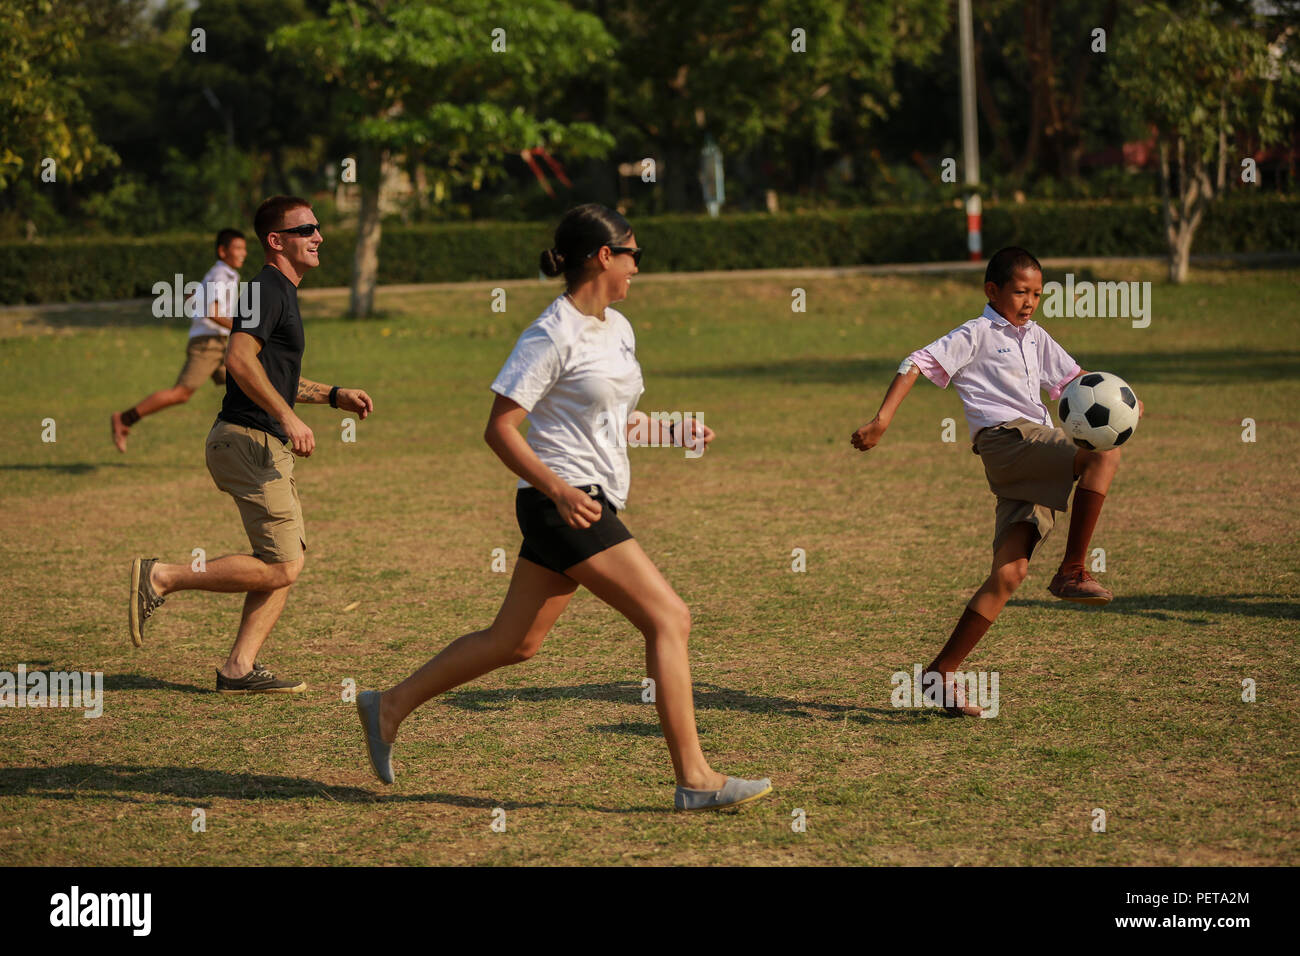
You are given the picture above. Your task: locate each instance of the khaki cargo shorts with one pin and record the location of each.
(205, 357)
(1030, 468)
(256, 469)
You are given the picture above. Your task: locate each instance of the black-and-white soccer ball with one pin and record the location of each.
(1099, 411)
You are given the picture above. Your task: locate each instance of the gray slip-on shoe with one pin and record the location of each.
(733, 793)
(380, 753)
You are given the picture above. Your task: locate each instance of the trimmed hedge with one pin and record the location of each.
(73, 270)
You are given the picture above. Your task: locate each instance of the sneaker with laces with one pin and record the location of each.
(144, 599)
(1076, 584)
(257, 681)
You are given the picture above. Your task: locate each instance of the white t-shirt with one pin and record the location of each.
(220, 284)
(579, 380)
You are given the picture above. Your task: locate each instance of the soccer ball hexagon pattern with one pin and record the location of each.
(1099, 411)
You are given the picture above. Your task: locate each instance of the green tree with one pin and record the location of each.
(462, 83)
(42, 114)
(794, 77)
(1048, 86)
(1200, 77)
(259, 101)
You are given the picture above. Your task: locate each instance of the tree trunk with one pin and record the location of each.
(1222, 179)
(1183, 216)
(1180, 255)
(365, 264)
(1167, 209)
(419, 185)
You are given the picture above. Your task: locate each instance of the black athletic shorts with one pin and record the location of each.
(550, 542)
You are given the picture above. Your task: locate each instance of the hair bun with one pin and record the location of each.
(552, 262)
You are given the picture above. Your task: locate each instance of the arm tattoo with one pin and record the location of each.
(311, 392)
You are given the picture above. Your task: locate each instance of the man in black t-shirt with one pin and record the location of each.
(250, 452)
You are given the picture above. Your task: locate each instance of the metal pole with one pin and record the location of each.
(970, 131)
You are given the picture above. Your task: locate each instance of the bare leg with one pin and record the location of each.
(267, 587)
(1010, 567)
(627, 580)
(261, 610)
(536, 598)
(1096, 469)
(164, 398)
(229, 573)
(158, 400)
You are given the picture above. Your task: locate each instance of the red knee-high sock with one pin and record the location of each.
(1087, 508)
(965, 636)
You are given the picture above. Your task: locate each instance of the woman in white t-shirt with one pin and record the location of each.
(574, 375)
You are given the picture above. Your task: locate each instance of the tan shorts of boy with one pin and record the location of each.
(205, 357)
(1030, 468)
(256, 469)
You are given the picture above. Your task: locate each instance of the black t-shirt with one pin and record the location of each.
(277, 322)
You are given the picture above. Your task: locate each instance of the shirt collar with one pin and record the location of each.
(997, 318)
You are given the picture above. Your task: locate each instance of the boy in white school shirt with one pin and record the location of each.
(210, 312)
(999, 362)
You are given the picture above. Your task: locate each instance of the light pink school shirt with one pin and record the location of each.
(998, 369)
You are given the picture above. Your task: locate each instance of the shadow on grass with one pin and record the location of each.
(74, 781)
(71, 468)
(196, 786)
(810, 371)
(80, 779)
(62, 315)
(1190, 367)
(630, 728)
(141, 682)
(1166, 607)
(707, 697)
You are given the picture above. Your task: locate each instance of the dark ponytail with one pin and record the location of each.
(552, 262)
(582, 231)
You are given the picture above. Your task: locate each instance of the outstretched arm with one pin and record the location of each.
(695, 435)
(348, 399)
(311, 393)
(869, 435)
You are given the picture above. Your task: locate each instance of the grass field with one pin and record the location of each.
(1135, 708)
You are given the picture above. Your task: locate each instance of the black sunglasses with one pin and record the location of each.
(633, 251)
(305, 230)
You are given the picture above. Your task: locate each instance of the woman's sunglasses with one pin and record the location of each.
(633, 251)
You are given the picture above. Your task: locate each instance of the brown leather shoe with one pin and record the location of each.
(957, 694)
(1076, 584)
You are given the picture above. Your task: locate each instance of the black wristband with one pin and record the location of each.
(334, 397)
